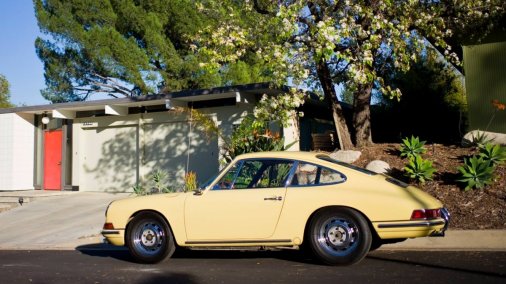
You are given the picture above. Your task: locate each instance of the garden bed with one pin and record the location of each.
(473, 209)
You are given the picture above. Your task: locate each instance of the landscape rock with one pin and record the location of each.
(491, 137)
(378, 166)
(347, 156)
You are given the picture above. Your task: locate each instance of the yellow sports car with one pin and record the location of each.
(337, 211)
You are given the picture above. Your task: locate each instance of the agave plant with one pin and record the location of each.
(419, 169)
(413, 147)
(476, 173)
(139, 189)
(493, 153)
(480, 139)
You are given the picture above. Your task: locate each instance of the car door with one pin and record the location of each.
(244, 204)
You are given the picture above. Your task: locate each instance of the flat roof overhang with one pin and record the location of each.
(120, 106)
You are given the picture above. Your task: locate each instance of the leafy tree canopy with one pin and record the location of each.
(319, 44)
(126, 48)
(4, 93)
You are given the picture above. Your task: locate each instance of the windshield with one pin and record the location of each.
(210, 179)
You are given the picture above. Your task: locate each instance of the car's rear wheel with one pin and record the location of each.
(149, 238)
(339, 236)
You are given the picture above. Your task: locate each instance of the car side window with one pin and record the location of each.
(274, 174)
(262, 173)
(307, 174)
(328, 176)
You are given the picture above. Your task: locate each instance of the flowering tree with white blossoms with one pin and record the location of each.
(318, 44)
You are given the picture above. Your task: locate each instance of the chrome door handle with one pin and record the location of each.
(275, 198)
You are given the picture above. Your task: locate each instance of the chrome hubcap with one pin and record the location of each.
(338, 236)
(149, 238)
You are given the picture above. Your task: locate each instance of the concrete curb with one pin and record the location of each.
(456, 240)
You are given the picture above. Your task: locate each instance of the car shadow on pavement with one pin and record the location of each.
(105, 250)
(121, 253)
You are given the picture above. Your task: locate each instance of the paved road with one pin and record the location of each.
(99, 266)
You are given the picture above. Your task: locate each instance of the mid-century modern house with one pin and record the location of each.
(111, 145)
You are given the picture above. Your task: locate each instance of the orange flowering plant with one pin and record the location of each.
(498, 105)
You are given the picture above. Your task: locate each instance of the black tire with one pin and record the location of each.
(339, 236)
(376, 244)
(149, 238)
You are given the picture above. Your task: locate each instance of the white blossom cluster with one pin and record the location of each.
(358, 40)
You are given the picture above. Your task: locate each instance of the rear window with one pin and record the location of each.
(310, 175)
(362, 170)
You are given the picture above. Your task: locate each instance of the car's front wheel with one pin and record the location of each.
(339, 236)
(149, 238)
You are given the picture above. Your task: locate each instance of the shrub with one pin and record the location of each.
(476, 173)
(413, 147)
(493, 153)
(252, 137)
(419, 169)
(190, 181)
(157, 182)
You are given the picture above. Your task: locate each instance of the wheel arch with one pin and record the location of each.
(135, 214)
(337, 207)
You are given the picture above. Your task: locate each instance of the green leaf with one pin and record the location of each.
(476, 173)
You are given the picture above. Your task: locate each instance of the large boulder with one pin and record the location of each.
(347, 156)
(378, 166)
(492, 137)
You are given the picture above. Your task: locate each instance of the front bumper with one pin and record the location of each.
(114, 237)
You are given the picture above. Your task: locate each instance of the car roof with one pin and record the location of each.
(296, 155)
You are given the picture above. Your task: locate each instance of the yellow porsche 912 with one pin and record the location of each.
(337, 211)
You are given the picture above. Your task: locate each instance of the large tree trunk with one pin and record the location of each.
(362, 115)
(337, 111)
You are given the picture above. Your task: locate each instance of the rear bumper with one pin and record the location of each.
(445, 214)
(414, 229)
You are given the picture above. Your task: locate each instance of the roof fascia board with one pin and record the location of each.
(65, 114)
(116, 110)
(187, 95)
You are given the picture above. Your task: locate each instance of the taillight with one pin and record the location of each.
(425, 214)
(108, 226)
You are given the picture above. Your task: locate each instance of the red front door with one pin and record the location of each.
(52, 159)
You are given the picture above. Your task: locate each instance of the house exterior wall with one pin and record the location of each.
(114, 153)
(16, 151)
(485, 69)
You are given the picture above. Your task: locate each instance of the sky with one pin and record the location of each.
(18, 61)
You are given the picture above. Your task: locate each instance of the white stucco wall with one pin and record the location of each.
(16, 151)
(113, 153)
